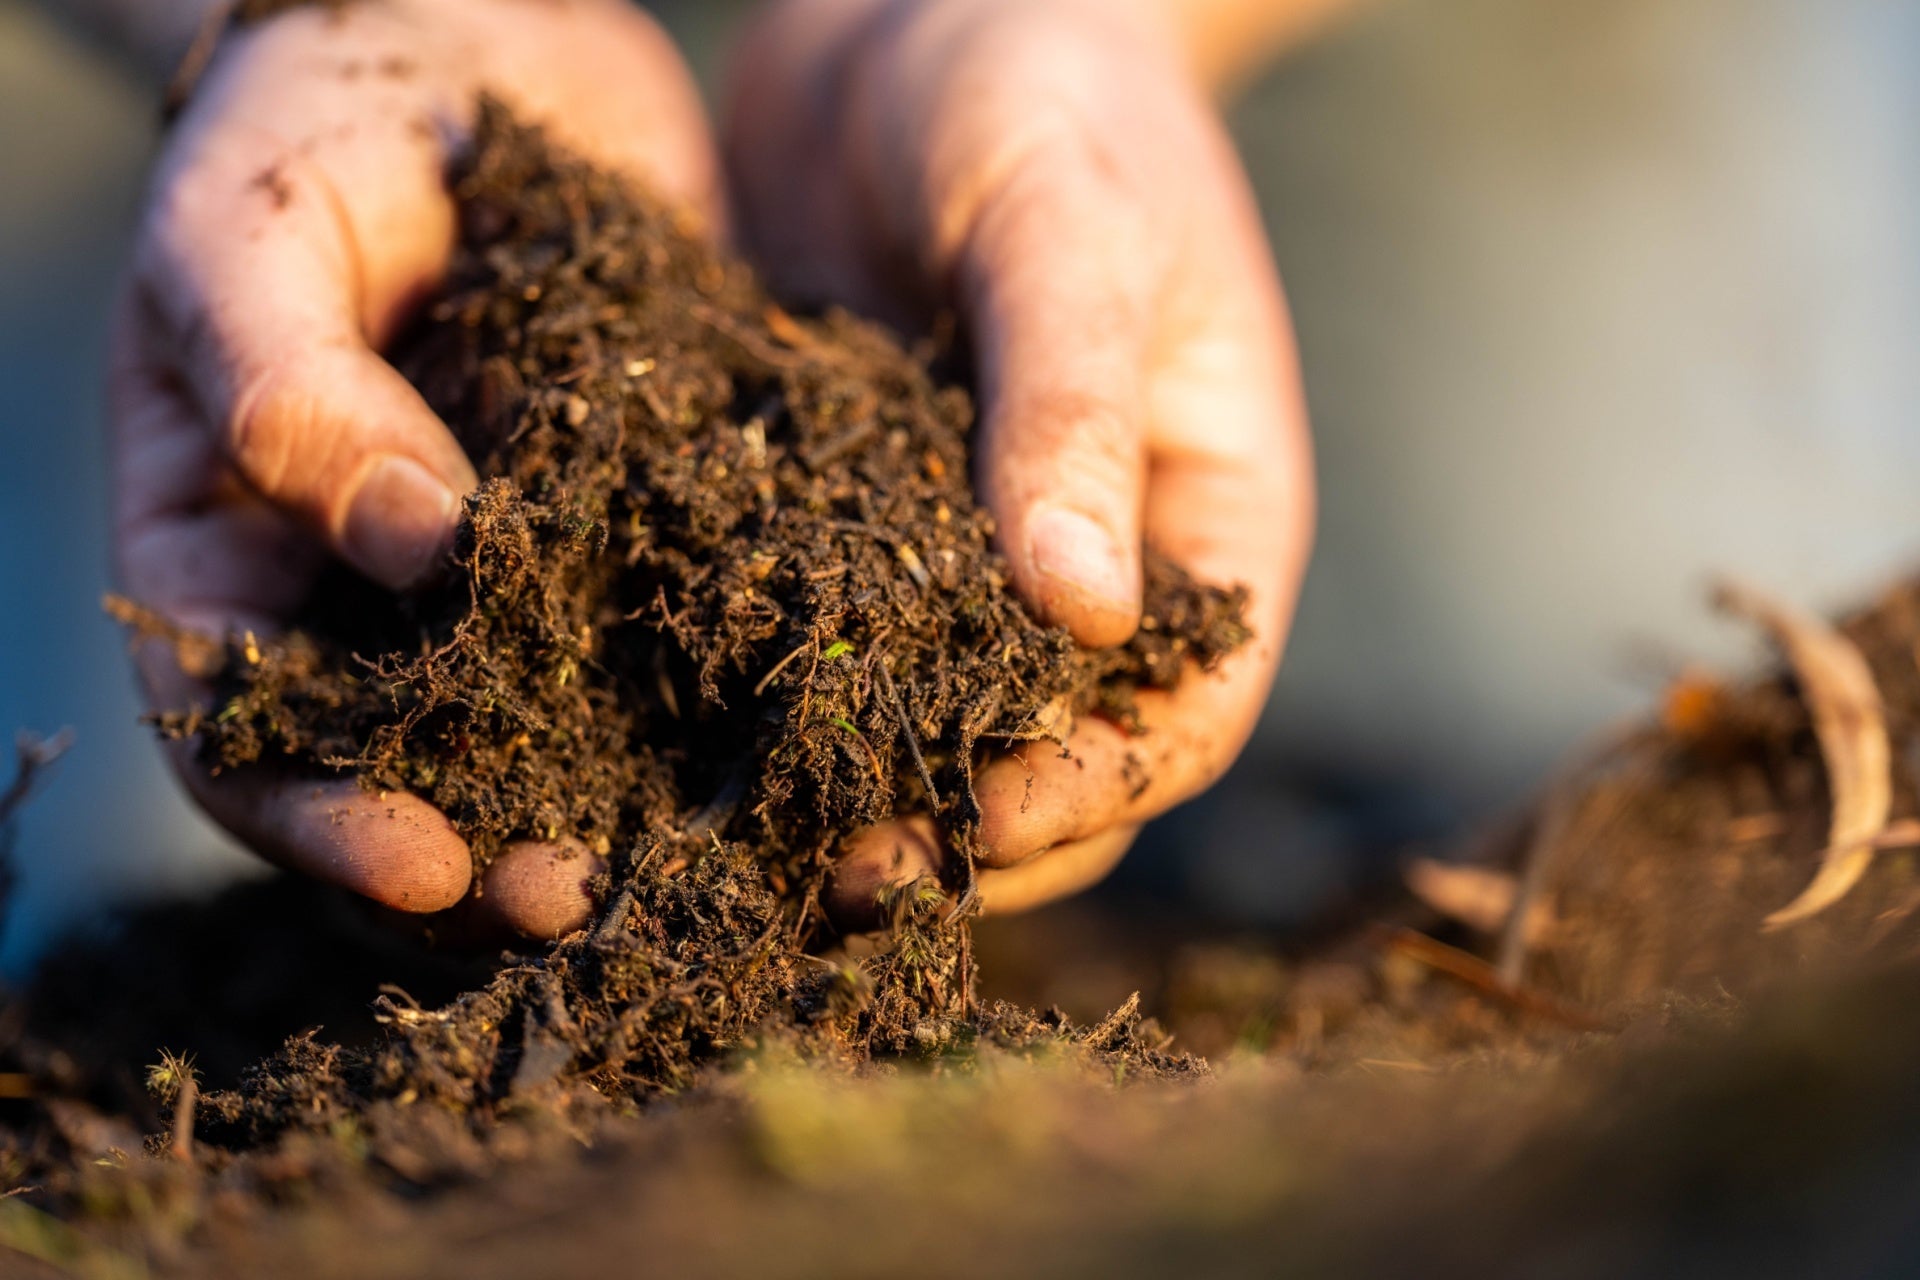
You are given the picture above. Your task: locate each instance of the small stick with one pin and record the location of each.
(780, 666)
(748, 341)
(913, 743)
(1484, 978)
(35, 755)
(844, 443)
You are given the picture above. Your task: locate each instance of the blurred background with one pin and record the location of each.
(1595, 301)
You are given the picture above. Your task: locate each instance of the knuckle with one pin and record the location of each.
(1052, 240)
(1059, 171)
(274, 409)
(1021, 127)
(189, 212)
(1087, 428)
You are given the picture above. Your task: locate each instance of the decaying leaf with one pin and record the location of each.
(1476, 897)
(1851, 727)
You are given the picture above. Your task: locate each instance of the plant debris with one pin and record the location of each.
(1852, 731)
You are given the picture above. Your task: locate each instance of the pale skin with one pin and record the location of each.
(1051, 170)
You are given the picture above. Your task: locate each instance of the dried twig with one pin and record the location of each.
(174, 1079)
(33, 755)
(1484, 978)
(780, 666)
(853, 730)
(180, 1142)
(1851, 728)
(913, 743)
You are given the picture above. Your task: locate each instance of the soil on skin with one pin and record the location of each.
(725, 593)
(724, 597)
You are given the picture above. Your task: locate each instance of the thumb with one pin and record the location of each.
(252, 284)
(1057, 292)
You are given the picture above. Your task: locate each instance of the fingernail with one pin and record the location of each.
(398, 523)
(1078, 552)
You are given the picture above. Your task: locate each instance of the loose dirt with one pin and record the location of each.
(723, 598)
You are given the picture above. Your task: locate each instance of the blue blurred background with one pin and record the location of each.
(1594, 301)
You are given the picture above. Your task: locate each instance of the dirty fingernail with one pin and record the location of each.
(399, 522)
(1078, 552)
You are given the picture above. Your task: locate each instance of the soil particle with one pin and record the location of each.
(273, 181)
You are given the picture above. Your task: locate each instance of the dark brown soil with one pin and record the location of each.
(1647, 1100)
(725, 578)
(723, 598)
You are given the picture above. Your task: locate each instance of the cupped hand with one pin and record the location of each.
(298, 212)
(1050, 170)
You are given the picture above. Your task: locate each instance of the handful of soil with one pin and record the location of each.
(724, 596)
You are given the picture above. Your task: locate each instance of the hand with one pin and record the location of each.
(1048, 168)
(298, 212)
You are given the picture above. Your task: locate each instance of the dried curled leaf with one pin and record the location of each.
(1851, 727)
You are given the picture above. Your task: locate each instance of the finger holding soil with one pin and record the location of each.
(723, 596)
(538, 890)
(885, 859)
(1074, 803)
(1056, 873)
(300, 212)
(395, 849)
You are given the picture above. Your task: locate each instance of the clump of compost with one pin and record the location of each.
(724, 596)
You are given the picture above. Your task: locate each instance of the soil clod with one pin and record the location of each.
(723, 597)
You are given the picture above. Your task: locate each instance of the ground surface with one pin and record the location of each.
(1669, 1088)
(707, 617)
